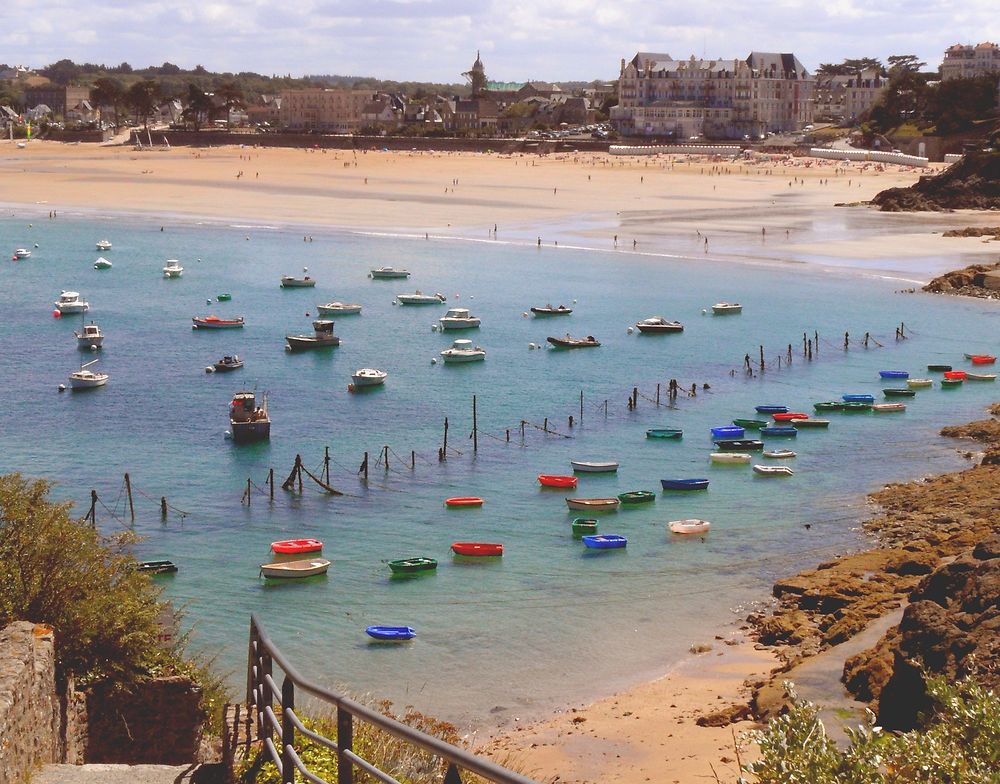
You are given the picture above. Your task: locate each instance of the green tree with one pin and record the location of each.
(198, 106)
(142, 98)
(904, 63)
(62, 72)
(107, 91)
(957, 103)
(232, 98)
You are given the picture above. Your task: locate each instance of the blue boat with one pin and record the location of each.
(893, 374)
(604, 541)
(391, 633)
(684, 484)
(780, 431)
(728, 431)
(772, 409)
(858, 398)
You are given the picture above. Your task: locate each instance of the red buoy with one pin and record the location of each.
(56, 314)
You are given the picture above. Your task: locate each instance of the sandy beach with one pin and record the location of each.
(761, 210)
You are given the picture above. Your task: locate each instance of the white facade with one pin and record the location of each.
(964, 61)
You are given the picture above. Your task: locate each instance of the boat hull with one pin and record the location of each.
(306, 343)
(586, 467)
(463, 502)
(412, 565)
(297, 546)
(387, 274)
(342, 310)
(740, 445)
(637, 497)
(391, 633)
(368, 381)
(688, 527)
(99, 380)
(451, 357)
(477, 549)
(201, 323)
(291, 570)
(570, 343)
(729, 457)
(605, 541)
(593, 504)
(684, 484)
(552, 480)
(452, 325)
(250, 432)
(664, 432)
(545, 312)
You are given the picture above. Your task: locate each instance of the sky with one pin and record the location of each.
(436, 40)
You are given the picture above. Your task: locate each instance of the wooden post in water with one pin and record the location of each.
(788, 361)
(816, 340)
(298, 469)
(804, 345)
(326, 464)
(364, 468)
(444, 449)
(508, 435)
(546, 428)
(657, 394)
(475, 427)
(810, 354)
(248, 491)
(605, 409)
(581, 406)
(761, 359)
(413, 460)
(385, 457)
(92, 514)
(570, 422)
(128, 492)
(270, 481)
(163, 507)
(635, 396)
(847, 340)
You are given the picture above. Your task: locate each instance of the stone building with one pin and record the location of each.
(327, 111)
(965, 61)
(57, 99)
(846, 97)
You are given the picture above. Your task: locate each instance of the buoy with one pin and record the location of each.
(525, 314)
(247, 237)
(574, 302)
(209, 302)
(434, 327)
(307, 314)
(531, 346)
(210, 369)
(456, 296)
(434, 360)
(704, 311)
(199, 261)
(350, 387)
(62, 387)
(631, 330)
(93, 348)
(56, 314)
(394, 302)
(305, 269)
(36, 244)
(228, 434)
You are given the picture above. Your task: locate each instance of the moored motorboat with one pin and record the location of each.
(740, 444)
(419, 298)
(897, 392)
(292, 282)
(459, 318)
(322, 337)
(385, 273)
(367, 377)
(223, 297)
(102, 264)
(249, 422)
(548, 310)
(103, 245)
(226, 364)
(161, 566)
(689, 526)
(604, 541)
(886, 408)
(297, 546)
(765, 470)
(594, 466)
(658, 325)
(391, 633)
(783, 431)
(89, 337)
(727, 308)
(811, 422)
(893, 374)
(70, 302)
(286, 570)
(637, 497)
(555, 480)
(477, 549)
(463, 502)
(664, 432)
(593, 504)
(21, 253)
(85, 378)
(214, 322)
(779, 454)
(770, 409)
(172, 269)
(734, 458)
(570, 342)
(463, 351)
(919, 383)
(338, 309)
(684, 484)
(412, 565)
(728, 431)
(751, 424)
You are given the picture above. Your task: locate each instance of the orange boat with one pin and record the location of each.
(956, 374)
(297, 546)
(982, 359)
(464, 501)
(479, 549)
(788, 416)
(552, 480)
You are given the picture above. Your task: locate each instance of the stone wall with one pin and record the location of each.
(29, 707)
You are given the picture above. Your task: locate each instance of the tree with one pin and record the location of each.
(62, 72)
(232, 98)
(107, 91)
(904, 63)
(198, 106)
(957, 103)
(142, 98)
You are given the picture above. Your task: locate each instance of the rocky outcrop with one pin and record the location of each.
(975, 280)
(971, 184)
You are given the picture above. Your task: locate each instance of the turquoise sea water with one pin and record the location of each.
(549, 623)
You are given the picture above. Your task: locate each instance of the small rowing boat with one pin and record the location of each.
(214, 322)
(939, 368)
(764, 470)
(593, 504)
(779, 454)
(733, 458)
(858, 398)
(740, 444)
(981, 377)
(801, 423)
(284, 570)
(570, 342)
(888, 408)
(750, 424)
(729, 431)
(787, 416)
(953, 374)
(605, 541)
(548, 310)
(684, 484)
(637, 497)
(477, 549)
(594, 467)
(412, 565)
(919, 383)
(768, 409)
(664, 432)
(899, 392)
(857, 406)
(830, 405)
(391, 633)
(297, 546)
(951, 383)
(463, 501)
(156, 567)
(981, 359)
(893, 374)
(553, 480)
(584, 526)
(687, 527)
(727, 308)
(779, 432)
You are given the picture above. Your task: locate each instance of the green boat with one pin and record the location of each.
(224, 297)
(855, 407)
(412, 565)
(951, 383)
(584, 526)
(751, 424)
(637, 497)
(833, 405)
(664, 432)
(801, 423)
(898, 392)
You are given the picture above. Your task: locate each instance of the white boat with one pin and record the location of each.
(459, 318)
(22, 253)
(338, 309)
(84, 378)
(419, 298)
(90, 337)
(980, 376)
(730, 457)
(103, 245)
(368, 377)
(658, 324)
(594, 467)
(726, 308)
(779, 454)
(70, 302)
(773, 470)
(291, 282)
(918, 383)
(463, 351)
(173, 269)
(388, 272)
(283, 570)
(689, 526)
(102, 263)
(322, 337)
(888, 408)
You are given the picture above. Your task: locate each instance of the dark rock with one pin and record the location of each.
(724, 717)
(971, 184)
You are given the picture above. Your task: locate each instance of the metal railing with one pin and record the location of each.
(263, 690)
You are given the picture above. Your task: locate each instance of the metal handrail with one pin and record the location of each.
(263, 689)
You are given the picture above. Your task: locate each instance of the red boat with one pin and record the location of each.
(214, 322)
(551, 480)
(983, 359)
(789, 416)
(956, 374)
(464, 501)
(481, 549)
(297, 546)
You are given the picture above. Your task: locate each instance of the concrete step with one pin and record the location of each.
(115, 774)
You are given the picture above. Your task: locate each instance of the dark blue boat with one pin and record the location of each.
(772, 409)
(391, 633)
(684, 484)
(893, 374)
(740, 444)
(605, 541)
(782, 431)
(858, 398)
(728, 431)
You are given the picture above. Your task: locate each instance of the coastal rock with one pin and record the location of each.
(972, 281)
(724, 717)
(971, 184)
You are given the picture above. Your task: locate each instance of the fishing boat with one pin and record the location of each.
(413, 565)
(830, 405)
(292, 282)
(419, 298)
(593, 504)
(322, 337)
(657, 325)
(981, 359)
(939, 368)
(458, 318)
(686, 527)
(604, 541)
(858, 398)
(214, 322)
(225, 365)
(103, 245)
(548, 310)
(684, 484)
(384, 273)
(959, 374)
(462, 351)
(593, 466)
(729, 431)
(172, 269)
(801, 423)
(768, 409)
(70, 302)
(161, 566)
(765, 470)
(84, 378)
(919, 383)
(102, 263)
(857, 406)
(223, 297)
(779, 454)
(783, 431)
(788, 416)
(951, 383)
(899, 392)
(888, 408)
(338, 309)
(367, 377)
(981, 377)
(734, 458)
(554, 480)
(750, 424)
(477, 549)
(664, 432)
(584, 526)
(297, 546)
(289, 570)
(21, 253)
(740, 444)
(391, 633)
(727, 308)
(90, 337)
(570, 342)
(637, 497)
(463, 502)
(893, 374)
(249, 422)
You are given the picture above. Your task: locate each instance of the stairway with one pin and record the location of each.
(118, 774)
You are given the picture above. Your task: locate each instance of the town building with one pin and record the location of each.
(58, 99)
(965, 61)
(327, 111)
(715, 99)
(847, 97)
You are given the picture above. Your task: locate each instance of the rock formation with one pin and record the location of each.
(971, 184)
